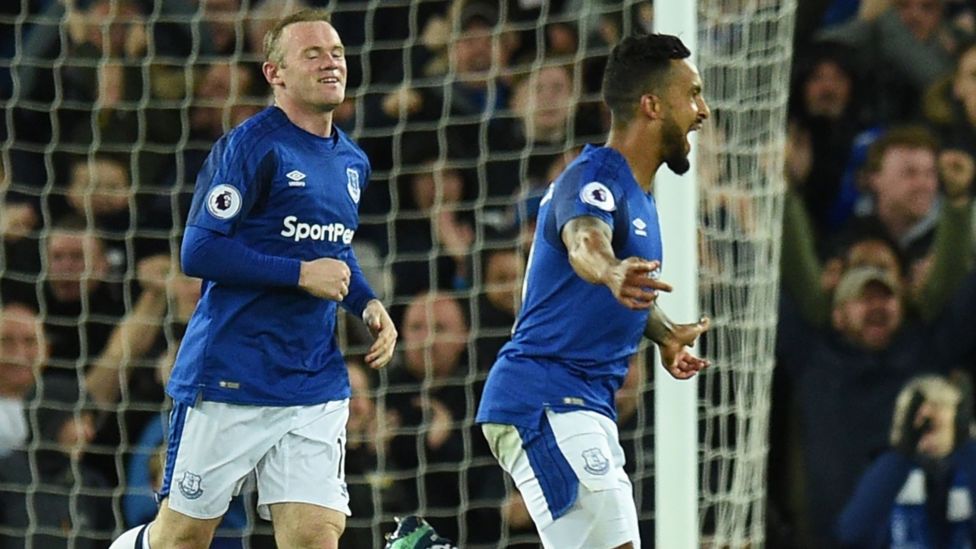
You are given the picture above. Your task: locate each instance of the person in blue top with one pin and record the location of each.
(259, 385)
(919, 494)
(592, 278)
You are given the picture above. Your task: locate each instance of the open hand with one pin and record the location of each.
(676, 357)
(384, 334)
(632, 285)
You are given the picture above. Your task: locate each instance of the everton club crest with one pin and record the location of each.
(352, 184)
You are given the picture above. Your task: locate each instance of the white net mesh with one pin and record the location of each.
(745, 49)
(110, 109)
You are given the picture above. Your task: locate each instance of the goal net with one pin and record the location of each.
(744, 54)
(466, 109)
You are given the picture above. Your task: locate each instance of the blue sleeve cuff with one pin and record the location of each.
(360, 294)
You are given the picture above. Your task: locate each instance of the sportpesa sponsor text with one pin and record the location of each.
(298, 230)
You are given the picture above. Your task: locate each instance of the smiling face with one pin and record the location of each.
(309, 67)
(684, 112)
(906, 183)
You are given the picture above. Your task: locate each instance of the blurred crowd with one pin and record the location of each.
(467, 109)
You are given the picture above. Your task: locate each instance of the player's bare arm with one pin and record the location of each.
(588, 241)
(384, 334)
(326, 278)
(673, 340)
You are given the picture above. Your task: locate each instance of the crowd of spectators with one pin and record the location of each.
(466, 109)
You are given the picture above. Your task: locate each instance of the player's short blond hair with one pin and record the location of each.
(272, 50)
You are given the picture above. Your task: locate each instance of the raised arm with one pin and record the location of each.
(588, 242)
(952, 257)
(131, 338)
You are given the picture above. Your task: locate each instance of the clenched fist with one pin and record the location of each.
(326, 278)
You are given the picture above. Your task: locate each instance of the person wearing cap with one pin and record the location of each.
(868, 308)
(842, 374)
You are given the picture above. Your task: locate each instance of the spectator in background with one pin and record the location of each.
(950, 106)
(55, 496)
(23, 353)
(369, 464)
(454, 101)
(125, 379)
(920, 493)
(81, 302)
(928, 286)
(434, 229)
(19, 219)
(823, 123)
(839, 377)
(498, 302)
(546, 122)
(901, 175)
(102, 192)
(435, 446)
(901, 50)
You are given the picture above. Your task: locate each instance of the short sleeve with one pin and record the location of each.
(576, 196)
(229, 184)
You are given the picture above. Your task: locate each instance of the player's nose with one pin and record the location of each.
(704, 112)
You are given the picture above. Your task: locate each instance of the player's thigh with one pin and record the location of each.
(307, 464)
(172, 529)
(577, 453)
(305, 525)
(212, 448)
(605, 501)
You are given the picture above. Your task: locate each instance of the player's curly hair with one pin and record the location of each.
(637, 65)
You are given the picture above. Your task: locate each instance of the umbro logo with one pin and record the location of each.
(640, 228)
(295, 178)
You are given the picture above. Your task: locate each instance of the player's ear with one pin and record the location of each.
(270, 71)
(650, 105)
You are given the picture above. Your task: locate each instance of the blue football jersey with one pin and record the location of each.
(572, 340)
(281, 191)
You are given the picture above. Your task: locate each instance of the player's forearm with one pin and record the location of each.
(212, 256)
(590, 252)
(659, 327)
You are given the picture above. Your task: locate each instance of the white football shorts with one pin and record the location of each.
(296, 453)
(571, 476)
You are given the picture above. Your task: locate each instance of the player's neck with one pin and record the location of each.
(643, 160)
(314, 122)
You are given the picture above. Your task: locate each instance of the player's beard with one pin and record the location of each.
(673, 143)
